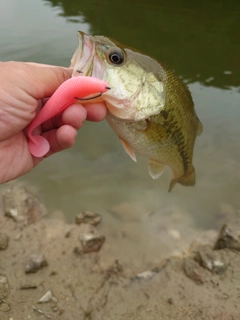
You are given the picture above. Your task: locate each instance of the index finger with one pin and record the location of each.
(96, 111)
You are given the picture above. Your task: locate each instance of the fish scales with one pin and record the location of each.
(150, 108)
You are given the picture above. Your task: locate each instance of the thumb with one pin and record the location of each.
(46, 79)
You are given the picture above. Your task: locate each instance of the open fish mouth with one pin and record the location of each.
(131, 90)
(83, 58)
(149, 108)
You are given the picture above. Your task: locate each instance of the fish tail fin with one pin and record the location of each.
(186, 180)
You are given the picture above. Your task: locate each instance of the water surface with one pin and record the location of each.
(200, 42)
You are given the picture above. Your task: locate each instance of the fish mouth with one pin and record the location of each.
(121, 102)
(83, 58)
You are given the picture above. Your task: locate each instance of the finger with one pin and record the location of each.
(40, 81)
(60, 139)
(48, 79)
(96, 111)
(74, 116)
(35, 64)
(37, 130)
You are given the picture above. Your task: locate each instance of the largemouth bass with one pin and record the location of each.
(149, 107)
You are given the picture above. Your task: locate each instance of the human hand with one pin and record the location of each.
(24, 88)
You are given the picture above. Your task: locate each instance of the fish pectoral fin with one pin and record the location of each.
(186, 180)
(128, 149)
(155, 169)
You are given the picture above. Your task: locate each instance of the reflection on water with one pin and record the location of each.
(200, 42)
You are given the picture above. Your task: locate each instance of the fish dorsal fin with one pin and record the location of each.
(129, 150)
(155, 169)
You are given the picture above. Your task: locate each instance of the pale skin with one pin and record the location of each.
(24, 88)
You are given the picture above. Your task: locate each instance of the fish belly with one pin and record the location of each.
(156, 146)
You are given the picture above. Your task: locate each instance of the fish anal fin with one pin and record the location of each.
(155, 169)
(128, 149)
(186, 180)
(199, 128)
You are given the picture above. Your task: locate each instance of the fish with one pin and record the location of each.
(149, 108)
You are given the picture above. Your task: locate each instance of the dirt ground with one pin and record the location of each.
(50, 269)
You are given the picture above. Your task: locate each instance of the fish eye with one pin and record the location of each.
(116, 56)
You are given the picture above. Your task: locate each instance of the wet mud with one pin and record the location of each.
(50, 269)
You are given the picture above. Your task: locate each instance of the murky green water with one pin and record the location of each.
(200, 41)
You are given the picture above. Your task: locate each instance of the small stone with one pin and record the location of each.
(4, 307)
(226, 239)
(18, 237)
(22, 206)
(67, 234)
(115, 268)
(195, 272)
(36, 262)
(210, 259)
(145, 275)
(89, 217)
(4, 287)
(46, 315)
(78, 251)
(3, 241)
(91, 242)
(47, 297)
(28, 286)
(219, 267)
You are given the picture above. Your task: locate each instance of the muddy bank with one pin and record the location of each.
(50, 269)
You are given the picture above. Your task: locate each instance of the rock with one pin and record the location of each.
(47, 297)
(39, 311)
(92, 242)
(227, 239)
(170, 301)
(67, 234)
(219, 267)
(90, 239)
(4, 307)
(36, 262)
(3, 241)
(195, 272)
(78, 251)
(21, 206)
(211, 260)
(89, 217)
(145, 275)
(28, 286)
(115, 268)
(4, 287)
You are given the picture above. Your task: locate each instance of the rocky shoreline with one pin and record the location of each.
(50, 269)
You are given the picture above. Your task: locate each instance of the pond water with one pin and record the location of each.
(200, 42)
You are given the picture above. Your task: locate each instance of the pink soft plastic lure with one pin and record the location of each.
(68, 92)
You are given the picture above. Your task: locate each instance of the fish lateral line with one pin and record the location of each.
(149, 108)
